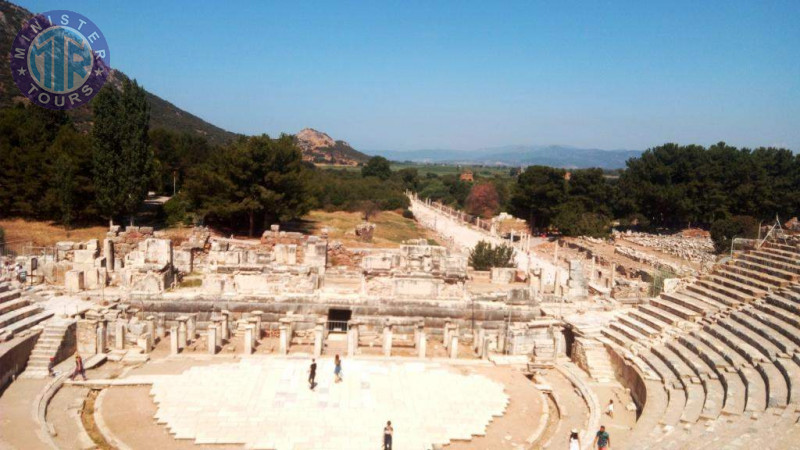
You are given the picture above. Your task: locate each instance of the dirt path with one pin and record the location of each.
(18, 429)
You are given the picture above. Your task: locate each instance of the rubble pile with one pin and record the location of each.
(698, 249)
(654, 261)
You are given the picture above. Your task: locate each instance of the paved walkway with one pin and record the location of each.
(266, 403)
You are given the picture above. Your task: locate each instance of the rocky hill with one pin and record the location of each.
(163, 114)
(320, 148)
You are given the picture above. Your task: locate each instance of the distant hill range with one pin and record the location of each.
(520, 155)
(163, 114)
(320, 148)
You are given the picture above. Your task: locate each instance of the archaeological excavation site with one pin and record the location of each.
(202, 340)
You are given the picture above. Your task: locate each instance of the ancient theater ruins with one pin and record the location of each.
(200, 340)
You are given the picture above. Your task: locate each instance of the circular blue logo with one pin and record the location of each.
(60, 59)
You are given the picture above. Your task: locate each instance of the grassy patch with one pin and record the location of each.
(392, 227)
(20, 232)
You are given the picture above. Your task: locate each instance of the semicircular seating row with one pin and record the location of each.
(720, 354)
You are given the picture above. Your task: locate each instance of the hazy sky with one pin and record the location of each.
(412, 75)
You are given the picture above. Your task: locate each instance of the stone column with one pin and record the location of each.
(226, 324)
(423, 343)
(481, 338)
(191, 327)
(352, 339)
(485, 348)
(417, 330)
(108, 253)
(594, 269)
(218, 333)
(211, 339)
(182, 332)
(151, 327)
(173, 339)
(454, 346)
(445, 337)
(101, 336)
(161, 327)
(284, 339)
(318, 334)
(249, 333)
(119, 335)
(555, 255)
(257, 315)
(613, 274)
(387, 339)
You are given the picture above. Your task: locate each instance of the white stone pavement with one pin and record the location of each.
(266, 403)
(466, 237)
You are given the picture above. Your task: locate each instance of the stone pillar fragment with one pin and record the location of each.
(119, 335)
(161, 327)
(108, 254)
(422, 344)
(226, 324)
(352, 340)
(101, 337)
(387, 340)
(211, 339)
(151, 327)
(181, 333)
(173, 340)
(284, 339)
(318, 334)
(191, 327)
(249, 332)
(454, 346)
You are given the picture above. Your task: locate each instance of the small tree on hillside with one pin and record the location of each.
(483, 200)
(723, 231)
(377, 166)
(485, 256)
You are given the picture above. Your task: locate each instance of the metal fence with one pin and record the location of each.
(337, 326)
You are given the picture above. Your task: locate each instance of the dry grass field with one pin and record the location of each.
(21, 233)
(392, 228)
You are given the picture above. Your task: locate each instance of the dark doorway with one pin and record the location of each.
(337, 320)
(569, 339)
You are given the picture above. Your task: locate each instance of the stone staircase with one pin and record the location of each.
(17, 313)
(50, 342)
(721, 353)
(597, 361)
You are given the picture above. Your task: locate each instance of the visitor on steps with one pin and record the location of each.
(78, 368)
(610, 408)
(574, 440)
(602, 440)
(337, 369)
(312, 373)
(50, 366)
(387, 436)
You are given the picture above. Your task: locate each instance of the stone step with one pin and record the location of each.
(777, 389)
(768, 275)
(734, 393)
(642, 327)
(749, 278)
(18, 314)
(791, 373)
(776, 271)
(739, 282)
(617, 338)
(695, 395)
(651, 321)
(785, 248)
(693, 304)
(7, 296)
(752, 355)
(5, 286)
(768, 261)
(698, 367)
(676, 309)
(714, 285)
(772, 256)
(783, 303)
(782, 343)
(666, 374)
(28, 322)
(777, 319)
(660, 314)
(7, 307)
(720, 298)
(714, 392)
(709, 355)
(628, 332)
(706, 299)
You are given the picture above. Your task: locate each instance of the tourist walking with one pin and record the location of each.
(387, 436)
(574, 440)
(312, 373)
(610, 408)
(602, 440)
(51, 367)
(337, 369)
(79, 370)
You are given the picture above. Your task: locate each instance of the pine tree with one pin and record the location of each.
(122, 156)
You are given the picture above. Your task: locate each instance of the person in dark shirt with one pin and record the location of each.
(79, 370)
(602, 440)
(387, 435)
(312, 373)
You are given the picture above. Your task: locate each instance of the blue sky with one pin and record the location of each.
(465, 75)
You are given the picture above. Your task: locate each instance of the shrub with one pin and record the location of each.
(485, 256)
(723, 231)
(177, 211)
(408, 214)
(2, 237)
